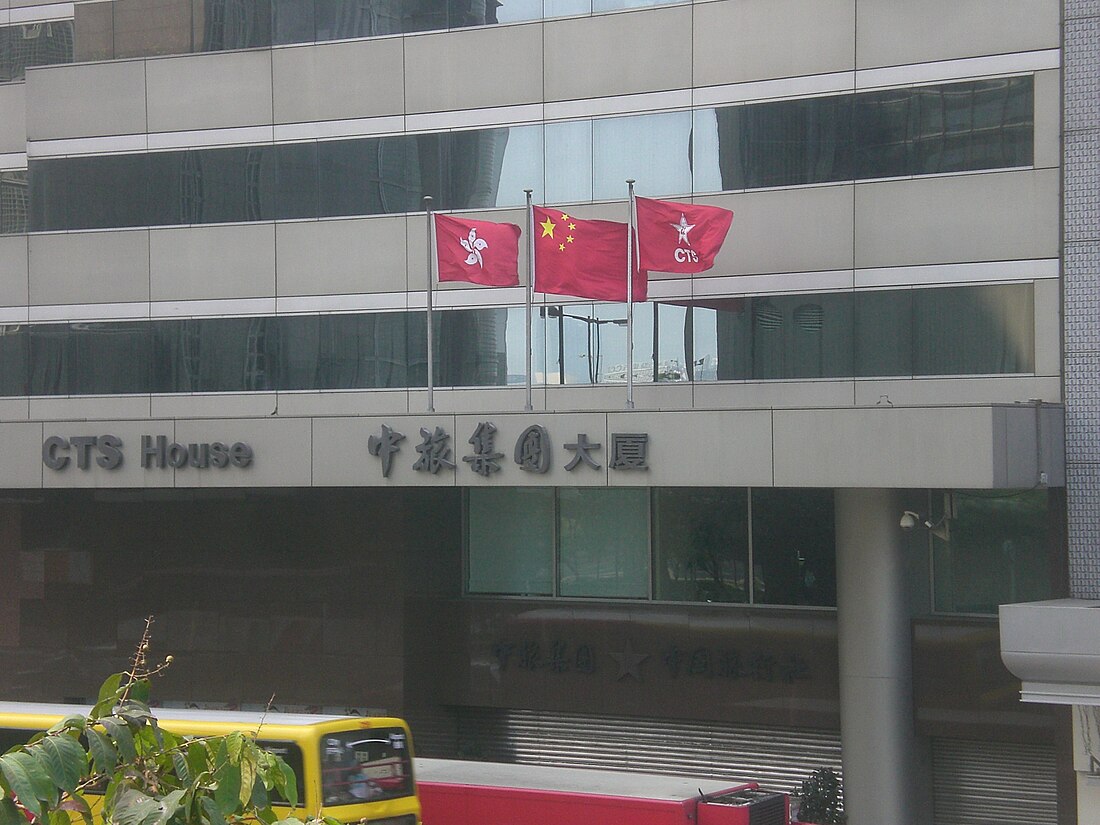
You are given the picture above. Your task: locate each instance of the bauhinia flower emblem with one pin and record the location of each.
(474, 245)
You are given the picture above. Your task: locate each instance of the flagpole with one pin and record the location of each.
(431, 255)
(630, 299)
(530, 287)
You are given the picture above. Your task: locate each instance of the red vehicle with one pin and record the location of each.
(455, 792)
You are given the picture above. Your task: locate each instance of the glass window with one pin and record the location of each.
(655, 150)
(90, 358)
(34, 44)
(217, 355)
(995, 550)
(290, 753)
(13, 360)
(511, 540)
(345, 351)
(604, 542)
(569, 161)
(974, 330)
(135, 28)
(296, 181)
(367, 765)
(472, 348)
(232, 24)
(371, 176)
(793, 547)
(522, 167)
(701, 544)
(516, 11)
(884, 333)
(14, 202)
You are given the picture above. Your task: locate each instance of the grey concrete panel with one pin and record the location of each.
(304, 87)
(561, 429)
(1028, 446)
(214, 404)
(212, 262)
(88, 100)
(762, 39)
(337, 257)
(885, 447)
(662, 395)
(896, 32)
(446, 400)
(89, 267)
(21, 455)
(1048, 110)
(789, 230)
(89, 407)
(365, 402)
(985, 217)
(474, 68)
(569, 398)
(13, 270)
(341, 457)
(725, 449)
(281, 449)
(907, 392)
(209, 91)
(618, 54)
(13, 125)
(129, 473)
(14, 409)
(1048, 341)
(774, 394)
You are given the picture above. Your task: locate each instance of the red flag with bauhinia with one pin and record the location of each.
(586, 259)
(680, 237)
(479, 252)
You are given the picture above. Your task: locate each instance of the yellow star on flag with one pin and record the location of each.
(547, 228)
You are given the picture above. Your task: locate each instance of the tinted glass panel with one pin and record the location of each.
(793, 547)
(90, 358)
(701, 544)
(604, 542)
(346, 351)
(511, 540)
(995, 550)
(983, 125)
(14, 201)
(217, 355)
(34, 44)
(232, 24)
(13, 359)
(974, 330)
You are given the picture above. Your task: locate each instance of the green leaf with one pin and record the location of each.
(179, 764)
(74, 722)
(260, 799)
(198, 759)
(110, 688)
(289, 787)
(9, 814)
(63, 759)
(212, 811)
(44, 787)
(134, 808)
(123, 738)
(228, 791)
(58, 818)
(248, 779)
(234, 742)
(169, 805)
(15, 774)
(139, 690)
(104, 753)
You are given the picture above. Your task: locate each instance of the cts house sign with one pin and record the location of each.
(156, 451)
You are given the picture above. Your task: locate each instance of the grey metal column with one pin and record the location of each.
(876, 681)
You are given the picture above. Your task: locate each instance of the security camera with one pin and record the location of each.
(909, 520)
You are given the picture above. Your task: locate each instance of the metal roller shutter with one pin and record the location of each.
(778, 758)
(993, 783)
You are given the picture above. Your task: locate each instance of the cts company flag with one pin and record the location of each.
(679, 237)
(586, 259)
(479, 252)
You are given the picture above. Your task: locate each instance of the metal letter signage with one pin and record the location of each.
(155, 451)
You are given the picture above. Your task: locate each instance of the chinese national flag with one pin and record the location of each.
(586, 259)
(479, 252)
(680, 237)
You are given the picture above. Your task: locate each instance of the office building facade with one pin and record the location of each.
(785, 549)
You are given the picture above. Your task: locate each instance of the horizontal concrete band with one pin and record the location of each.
(974, 447)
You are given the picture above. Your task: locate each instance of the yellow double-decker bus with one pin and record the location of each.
(350, 768)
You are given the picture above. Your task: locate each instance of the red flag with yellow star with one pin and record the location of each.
(586, 259)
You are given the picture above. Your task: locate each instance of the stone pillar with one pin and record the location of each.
(881, 767)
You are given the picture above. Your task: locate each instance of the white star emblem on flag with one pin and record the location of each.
(682, 228)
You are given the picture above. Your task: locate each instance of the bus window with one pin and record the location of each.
(365, 766)
(292, 755)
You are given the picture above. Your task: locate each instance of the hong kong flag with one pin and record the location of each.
(680, 237)
(586, 259)
(478, 252)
